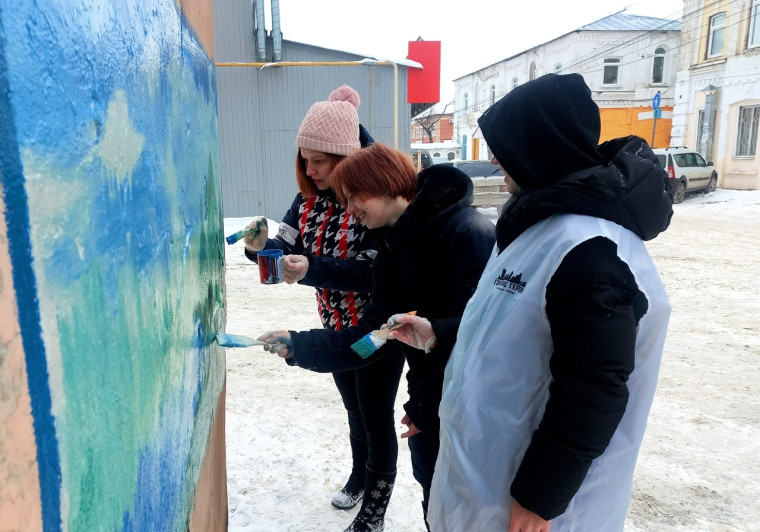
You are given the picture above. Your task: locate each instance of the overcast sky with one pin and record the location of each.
(471, 36)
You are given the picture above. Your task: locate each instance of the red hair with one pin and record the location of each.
(375, 171)
(305, 184)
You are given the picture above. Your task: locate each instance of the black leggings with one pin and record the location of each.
(369, 394)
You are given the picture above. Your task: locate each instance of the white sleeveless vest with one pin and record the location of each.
(496, 385)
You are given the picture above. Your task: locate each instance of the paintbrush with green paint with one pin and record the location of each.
(374, 340)
(238, 340)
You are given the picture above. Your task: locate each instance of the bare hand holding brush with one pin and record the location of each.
(256, 234)
(277, 342)
(416, 332)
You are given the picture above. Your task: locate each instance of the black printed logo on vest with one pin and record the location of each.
(509, 282)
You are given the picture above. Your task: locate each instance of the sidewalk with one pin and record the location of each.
(490, 199)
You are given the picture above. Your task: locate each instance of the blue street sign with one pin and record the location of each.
(656, 101)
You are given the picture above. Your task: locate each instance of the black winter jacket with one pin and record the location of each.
(340, 254)
(592, 292)
(339, 250)
(593, 303)
(430, 261)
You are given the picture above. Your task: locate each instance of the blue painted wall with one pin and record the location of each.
(109, 167)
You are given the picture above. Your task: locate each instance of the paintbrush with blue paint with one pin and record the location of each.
(252, 231)
(374, 340)
(238, 340)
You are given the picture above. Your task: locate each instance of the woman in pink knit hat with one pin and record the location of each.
(326, 248)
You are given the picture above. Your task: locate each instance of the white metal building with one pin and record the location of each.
(261, 107)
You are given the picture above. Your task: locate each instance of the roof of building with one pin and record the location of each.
(616, 22)
(437, 109)
(623, 22)
(369, 59)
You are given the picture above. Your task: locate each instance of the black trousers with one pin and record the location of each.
(369, 394)
(423, 447)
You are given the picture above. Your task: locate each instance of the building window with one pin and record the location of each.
(717, 33)
(514, 83)
(754, 24)
(746, 139)
(466, 102)
(532, 74)
(611, 66)
(558, 66)
(658, 67)
(493, 94)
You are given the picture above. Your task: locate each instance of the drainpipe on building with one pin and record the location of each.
(259, 29)
(276, 33)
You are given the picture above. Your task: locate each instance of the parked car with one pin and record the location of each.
(477, 168)
(687, 170)
(421, 159)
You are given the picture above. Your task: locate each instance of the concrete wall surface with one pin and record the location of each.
(111, 268)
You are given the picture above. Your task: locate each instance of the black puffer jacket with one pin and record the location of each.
(430, 261)
(340, 254)
(629, 188)
(593, 302)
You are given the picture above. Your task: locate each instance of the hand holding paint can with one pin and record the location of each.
(271, 263)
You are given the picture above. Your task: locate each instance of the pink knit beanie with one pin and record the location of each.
(332, 126)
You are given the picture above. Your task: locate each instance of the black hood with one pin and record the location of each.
(440, 187)
(544, 130)
(629, 188)
(545, 135)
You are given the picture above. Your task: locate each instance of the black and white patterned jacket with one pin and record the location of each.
(340, 254)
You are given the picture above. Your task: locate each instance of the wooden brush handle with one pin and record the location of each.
(383, 333)
(394, 327)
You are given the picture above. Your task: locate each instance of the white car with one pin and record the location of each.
(687, 170)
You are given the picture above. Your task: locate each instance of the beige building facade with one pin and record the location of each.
(717, 108)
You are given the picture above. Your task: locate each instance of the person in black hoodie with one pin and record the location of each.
(433, 247)
(549, 385)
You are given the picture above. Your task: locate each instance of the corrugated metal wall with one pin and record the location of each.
(260, 110)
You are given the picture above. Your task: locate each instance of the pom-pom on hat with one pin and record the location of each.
(332, 126)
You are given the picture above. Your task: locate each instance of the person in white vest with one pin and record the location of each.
(549, 385)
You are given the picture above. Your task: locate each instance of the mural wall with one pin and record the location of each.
(111, 267)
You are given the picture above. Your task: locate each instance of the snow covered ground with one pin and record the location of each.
(287, 437)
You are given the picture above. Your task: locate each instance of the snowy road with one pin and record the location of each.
(287, 439)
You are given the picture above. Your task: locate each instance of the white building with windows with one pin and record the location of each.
(625, 60)
(717, 106)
